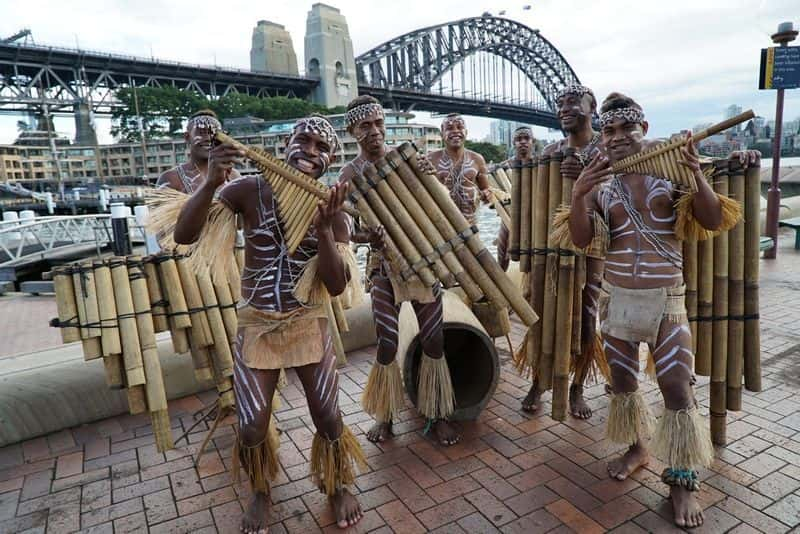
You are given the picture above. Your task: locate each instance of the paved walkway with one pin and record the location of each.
(511, 473)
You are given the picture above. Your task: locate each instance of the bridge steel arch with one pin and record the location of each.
(416, 61)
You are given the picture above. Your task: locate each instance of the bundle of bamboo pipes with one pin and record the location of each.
(721, 276)
(432, 239)
(116, 306)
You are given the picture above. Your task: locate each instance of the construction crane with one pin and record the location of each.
(24, 34)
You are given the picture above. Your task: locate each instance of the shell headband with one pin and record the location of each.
(206, 122)
(319, 126)
(452, 120)
(361, 112)
(633, 115)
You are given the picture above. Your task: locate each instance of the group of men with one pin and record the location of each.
(279, 331)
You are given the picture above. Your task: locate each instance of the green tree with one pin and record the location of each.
(489, 151)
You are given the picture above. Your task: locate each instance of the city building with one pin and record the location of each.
(125, 162)
(502, 133)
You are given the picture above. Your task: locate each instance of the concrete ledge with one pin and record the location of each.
(48, 391)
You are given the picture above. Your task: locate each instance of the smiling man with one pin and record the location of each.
(278, 328)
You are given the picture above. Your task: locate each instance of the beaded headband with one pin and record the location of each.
(448, 120)
(206, 122)
(319, 126)
(574, 89)
(633, 115)
(361, 112)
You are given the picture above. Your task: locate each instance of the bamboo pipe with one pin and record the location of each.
(690, 278)
(409, 225)
(386, 170)
(223, 359)
(113, 367)
(154, 387)
(735, 364)
(580, 268)
(66, 305)
(752, 328)
(503, 181)
(516, 211)
(393, 228)
(201, 360)
(549, 308)
(705, 299)
(86, 300)
(171, 282)
(443, 223)
(227, 307)
(107, 309)
(131, 348)
(539, 259)
(157, 301)
(525, 218)
(336, 336)
(719, 349)
(137, 399)
(484, 257)
(200, 332)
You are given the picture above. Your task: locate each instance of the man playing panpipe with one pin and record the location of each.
(383, 395)
(462, 171)
(576, 106)
(523, 151)
(642, 300)
(278, 326)
(187, 177)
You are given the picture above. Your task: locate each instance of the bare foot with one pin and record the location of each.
(380, 432)
(445, 433)
(531, 401)
(577, 404)
(346, 508)
(254, 520)
(686, 509)
(634, 458)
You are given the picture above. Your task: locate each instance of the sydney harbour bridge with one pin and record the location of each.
(485, 66)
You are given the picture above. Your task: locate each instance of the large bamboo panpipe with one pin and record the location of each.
(525, 218)
(431, 231)
(491, 278)
(719, 348)
(516, 211)
(154, 387)
(663, 160)
(752, 328)
(735, 364)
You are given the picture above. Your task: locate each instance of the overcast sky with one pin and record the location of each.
(685, 61)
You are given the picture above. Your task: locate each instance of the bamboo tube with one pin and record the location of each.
(580, 268)
(86, 299)
(201, 331)
(333, 327)
(508, 291)
(705, 298)
(201, 359)
(539, 259)
(409, 225)
(752, 328)
(223, 359)
(180, 341)
(227, 307)
(113, 370)
(472, 265)
(690, 279)
(137, 399)
(719, 349)
(66, 305)
(131, 348)
(503, 181)
(516, 211)
(735, 364)
(171, 282)
(157, 302)
(92, 348)
(338, 313)
(154, 387)
(396, 232)
(386, 170)
(525, 218)
(549, 308)
(107, 308)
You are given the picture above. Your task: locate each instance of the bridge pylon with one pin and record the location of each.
(272, 49)
(329, 56)
(85, 133)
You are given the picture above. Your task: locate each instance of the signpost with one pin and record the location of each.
(780, 69)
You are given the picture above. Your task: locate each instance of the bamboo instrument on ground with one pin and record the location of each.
(719, 348)
(525, 218)
(752, 328)
(516, 211)
(154, 387)
(735, 364)
(663, 159)
(296, 194)
(493, 281)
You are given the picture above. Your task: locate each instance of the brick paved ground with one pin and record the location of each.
(511, 473)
